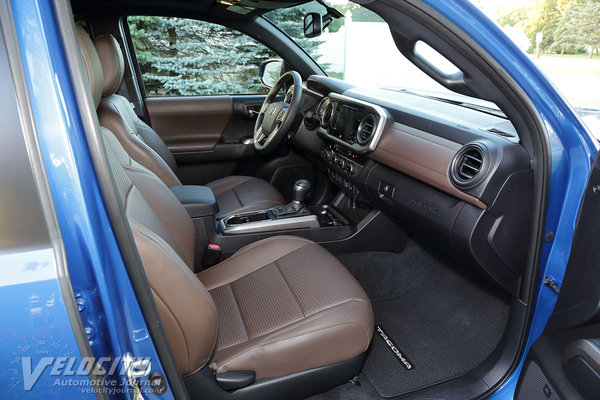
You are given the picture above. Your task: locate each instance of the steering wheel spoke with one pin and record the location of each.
(259, 136)
(275, 118)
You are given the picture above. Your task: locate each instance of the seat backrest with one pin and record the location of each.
(165, 239)
(116, 113)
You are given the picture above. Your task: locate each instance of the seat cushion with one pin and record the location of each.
(286, 305)
(237, 194)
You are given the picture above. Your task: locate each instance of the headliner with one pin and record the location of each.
(226, 9)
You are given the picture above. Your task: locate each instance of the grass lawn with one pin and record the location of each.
(576, 77)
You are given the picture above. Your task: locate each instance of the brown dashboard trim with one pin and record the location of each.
(421, 155)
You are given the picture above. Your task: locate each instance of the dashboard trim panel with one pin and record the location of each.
(423, 156)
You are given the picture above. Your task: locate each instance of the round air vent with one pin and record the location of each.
(365, 130)
(468, 166)
(327, 114)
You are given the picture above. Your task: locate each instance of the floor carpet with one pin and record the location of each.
(442, 321)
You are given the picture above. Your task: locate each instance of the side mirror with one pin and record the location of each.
(270, 71)
(313, 25)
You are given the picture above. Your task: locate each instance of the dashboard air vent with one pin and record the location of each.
(365, 130)
(326, 117)
(467, 166)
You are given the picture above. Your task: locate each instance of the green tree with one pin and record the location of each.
(291, 21)
(565, 35)
(179, 56)
(516, 17)
(579, 28)
(543, 17)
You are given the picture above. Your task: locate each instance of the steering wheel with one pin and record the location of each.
(276, 117)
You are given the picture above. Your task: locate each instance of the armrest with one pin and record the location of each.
(199, 201)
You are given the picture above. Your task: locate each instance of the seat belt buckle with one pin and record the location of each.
(212, 255)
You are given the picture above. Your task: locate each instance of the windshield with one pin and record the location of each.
(372, 59)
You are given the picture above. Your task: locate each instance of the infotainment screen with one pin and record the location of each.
(345, 122)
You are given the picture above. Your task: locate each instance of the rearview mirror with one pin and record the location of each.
(270, 71)
(313, 25)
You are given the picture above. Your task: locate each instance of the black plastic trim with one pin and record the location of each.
(456, 164)
(203, 384)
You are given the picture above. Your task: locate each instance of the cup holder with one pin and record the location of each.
(245, 218)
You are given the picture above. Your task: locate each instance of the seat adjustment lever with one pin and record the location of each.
(231, 380)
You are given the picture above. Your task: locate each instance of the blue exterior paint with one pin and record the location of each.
(35, 324)
(95, 264)
(572, 151)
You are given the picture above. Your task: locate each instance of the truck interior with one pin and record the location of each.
(320, 238)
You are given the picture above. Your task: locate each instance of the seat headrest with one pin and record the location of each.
(92, 64)
(112, 62)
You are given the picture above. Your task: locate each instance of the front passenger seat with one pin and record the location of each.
(283, 308)
(234, 194)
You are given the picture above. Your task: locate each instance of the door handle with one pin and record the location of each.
(252, 110)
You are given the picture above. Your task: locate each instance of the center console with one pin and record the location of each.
(270, 220)
(340, 227)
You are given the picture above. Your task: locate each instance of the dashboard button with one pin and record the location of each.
(386, 189)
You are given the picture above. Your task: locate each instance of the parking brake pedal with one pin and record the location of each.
(231, 380)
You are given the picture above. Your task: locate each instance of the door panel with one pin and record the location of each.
(211, 137)
(190, 124)
(565, 360)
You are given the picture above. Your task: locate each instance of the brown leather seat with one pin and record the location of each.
(234, 194)
(277, 307)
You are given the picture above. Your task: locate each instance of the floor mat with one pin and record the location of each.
(442, 322)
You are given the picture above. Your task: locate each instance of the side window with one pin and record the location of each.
(186, 57)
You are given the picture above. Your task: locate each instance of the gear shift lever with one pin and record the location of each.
(301, 189)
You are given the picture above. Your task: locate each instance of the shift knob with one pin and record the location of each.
(301, 189)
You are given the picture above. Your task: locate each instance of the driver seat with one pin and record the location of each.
(234, 194)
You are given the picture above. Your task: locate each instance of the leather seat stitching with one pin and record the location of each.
(284, 329)
(237, 306)
(168, 254)
(238, 254)
(187, 353)
(290, 288)
(126, 199)
(236, 195)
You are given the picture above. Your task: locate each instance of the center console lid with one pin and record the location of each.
(199, 201)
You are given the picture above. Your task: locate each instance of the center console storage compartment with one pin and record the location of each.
(199, 201)
(248, 217)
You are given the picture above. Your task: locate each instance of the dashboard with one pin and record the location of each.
(440, 168)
